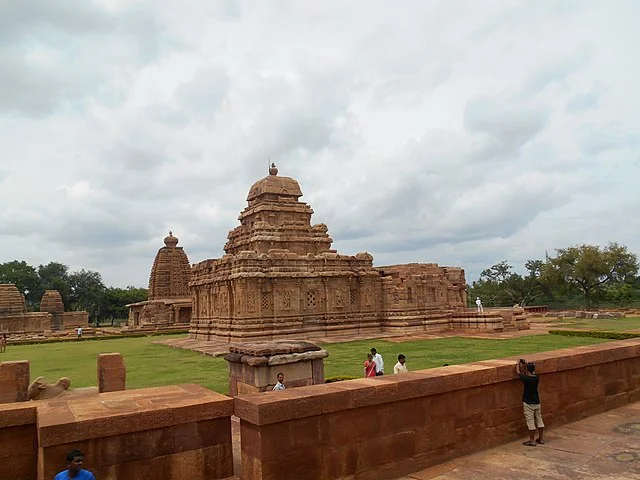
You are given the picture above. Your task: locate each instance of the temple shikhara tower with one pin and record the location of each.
(279, 278)
(169, 301)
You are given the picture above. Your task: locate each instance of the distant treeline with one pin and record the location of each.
(582, 276)
(80, 290)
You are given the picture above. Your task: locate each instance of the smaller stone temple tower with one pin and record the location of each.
(169, 301)
(14, 318)
(51, 303)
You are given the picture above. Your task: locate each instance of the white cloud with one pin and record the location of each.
(457, 132)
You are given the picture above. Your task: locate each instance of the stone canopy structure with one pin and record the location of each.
(279, 278)
(169, 301)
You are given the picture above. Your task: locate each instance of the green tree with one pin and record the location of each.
(115, 300)
(26, 279)
(55, 276)
(86, 292)
(500, 286)
(590, 269)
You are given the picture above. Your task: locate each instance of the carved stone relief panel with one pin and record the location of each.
(339, 299)
(286, 300)
(251, 302)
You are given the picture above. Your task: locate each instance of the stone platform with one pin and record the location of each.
(215, 348)
(604, 446)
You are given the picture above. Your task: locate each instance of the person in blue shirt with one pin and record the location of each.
(75, 460)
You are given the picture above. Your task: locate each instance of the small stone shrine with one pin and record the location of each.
(279, 278)
(253, 367)
(14, 318)
(169, 301)
(51, 302)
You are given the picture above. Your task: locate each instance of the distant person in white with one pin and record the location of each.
(400, 367)
(377, 358)
(280, 384)
(79, 332)
(479, 304)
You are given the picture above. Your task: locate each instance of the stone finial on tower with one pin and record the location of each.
(170, 240)
(273, 170)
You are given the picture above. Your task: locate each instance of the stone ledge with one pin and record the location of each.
(16, 414)
(128, 411)
(273, 407)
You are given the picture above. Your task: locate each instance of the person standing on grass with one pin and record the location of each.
(377, 358)
(531, 402)
(400, 367)
(75, 460)
(3, 343)
(369, 367)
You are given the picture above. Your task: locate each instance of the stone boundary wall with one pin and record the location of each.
(162, 433)
(36, 322)
(72, 320)
(389, 426)
(18, 441)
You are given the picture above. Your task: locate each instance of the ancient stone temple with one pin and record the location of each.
(169, 301)
(280, 278)
(51, 302)
(14, 317)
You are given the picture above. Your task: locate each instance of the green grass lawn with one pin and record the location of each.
(605, 324)
(155, 365)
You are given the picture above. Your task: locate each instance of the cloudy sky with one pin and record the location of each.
(457, 132)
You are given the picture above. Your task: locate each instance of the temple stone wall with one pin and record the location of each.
(32, 322)
(426, 417)
(72, 320)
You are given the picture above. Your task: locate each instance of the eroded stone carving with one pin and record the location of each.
(41, 390)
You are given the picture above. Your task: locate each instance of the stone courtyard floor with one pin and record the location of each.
(604, 446)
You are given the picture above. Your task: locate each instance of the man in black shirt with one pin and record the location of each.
(531, 402)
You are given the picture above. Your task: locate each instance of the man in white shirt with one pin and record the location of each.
(400, 367)
(377, 359)
(280, 384)
(479, 304)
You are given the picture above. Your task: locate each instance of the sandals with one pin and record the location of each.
(529, 443)
(541, 442)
